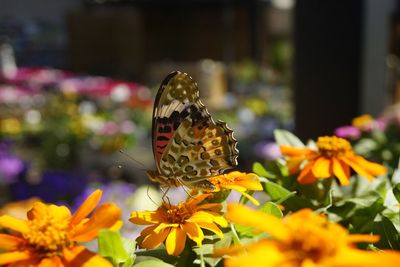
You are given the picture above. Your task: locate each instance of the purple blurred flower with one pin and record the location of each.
(268, 150)
(350, 132)
(55, 186)
(110, 128)
(380, 123)
(10, 168)
(10, 165)
(116, 192)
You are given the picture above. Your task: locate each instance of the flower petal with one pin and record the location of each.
(9, 242)
(147, 217)
(341, 171)
(10, 257)
(79, 256)
(87, 207)
(290, 151)
(39, 210)
(51, 262)
(103, 217)
(261, 221)
(357, 257)
(14, 224)
(249, 183)
(194, 201)
(203, 216)
(321, 168)
(354, 238)
(59, 212)
(176, 241)
(212, 227)
(306, 176)
(215, 207)
(162, 226)
(153, 239)
(372, 168)
(194, 232)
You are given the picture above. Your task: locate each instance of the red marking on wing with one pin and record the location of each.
(162, 139)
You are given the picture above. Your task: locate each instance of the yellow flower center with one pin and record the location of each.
(180, 213)
(363, 121)
(332, 146)
(316, 240)
(221, 180)
(48, 236)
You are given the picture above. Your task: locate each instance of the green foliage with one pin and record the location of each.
(118, 250)
(283, 137)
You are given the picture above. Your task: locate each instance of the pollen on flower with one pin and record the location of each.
(48, 236)
(333, 146)
(316, 240)
(179, 214)
(222, 179)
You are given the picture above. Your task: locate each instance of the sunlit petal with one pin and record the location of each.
(306, 176)
(13, 224)
(103, 217)
(9, 242)
(261, 221)
(14, 256)
(87, 207)
(146, 217)
(153, 240)
(341, 171)
(194, 232)
(321, 168)
(176, 241)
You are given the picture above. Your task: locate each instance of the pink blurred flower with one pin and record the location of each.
(348, 132)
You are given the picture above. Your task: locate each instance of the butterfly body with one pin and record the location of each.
(188, 145)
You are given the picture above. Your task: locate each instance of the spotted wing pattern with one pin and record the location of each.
(188, 145)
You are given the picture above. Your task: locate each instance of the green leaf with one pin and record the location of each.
(245, 231)
(363, 219)
(152, 263)
(277, 192)
(259, 169)
(283, 137)
(390, 238)
(272, 209)
(112, 247)
(396, 192)
(206, 250)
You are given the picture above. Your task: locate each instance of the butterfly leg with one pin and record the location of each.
(184, 188)
(148, 195)
(164, 196)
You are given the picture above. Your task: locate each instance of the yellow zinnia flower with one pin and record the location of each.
(301, 239)
(173, 223)
(49, 237)
(238, 181)
(363, 122)
(334, 157)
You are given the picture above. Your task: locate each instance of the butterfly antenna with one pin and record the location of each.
(148, 195)
(131, 158)
(184, 188)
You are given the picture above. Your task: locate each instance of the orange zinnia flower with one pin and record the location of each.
(294, 243)
(334, 157)
(49, 237)
(238, 181)
(173, 223)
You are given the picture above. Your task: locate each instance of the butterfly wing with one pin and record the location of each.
(188, 145)
(199, 151)
(177, 99)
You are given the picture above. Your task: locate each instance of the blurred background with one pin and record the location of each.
(78, 79)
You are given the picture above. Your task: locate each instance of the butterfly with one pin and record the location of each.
(188, 145)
